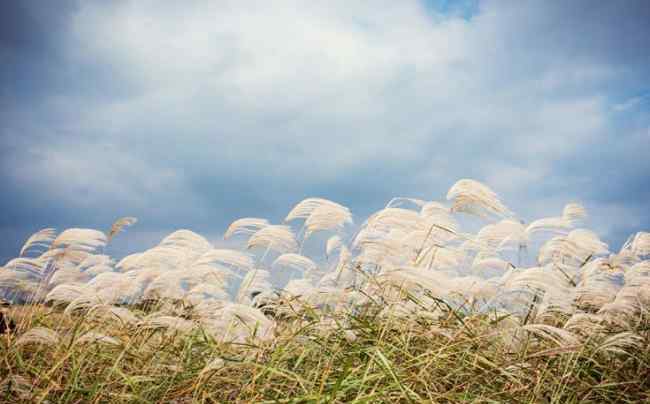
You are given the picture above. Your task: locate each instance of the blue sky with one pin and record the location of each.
(192, 114)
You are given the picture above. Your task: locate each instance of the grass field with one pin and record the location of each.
(359, 358)
(406, 307)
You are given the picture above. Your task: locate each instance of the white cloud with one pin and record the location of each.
(313, 79)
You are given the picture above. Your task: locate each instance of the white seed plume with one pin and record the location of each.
(278, 238)
(574, 213)
(40, 240)
(473, 197)
(93, 260)
(239, 322)
(382, 249)
(32, 266)
(186, 240)
(87, 240)
(305, 208)
(128, 263)
(327, 217)
(622, 343)
(172, 323)
(541, 279)
(434, 208)
(295, 261)
(115, 287)
(622, 312)
(493, 235)
(67, 292)
(68, 274)
(124, 316)
(637, 272)
(257, 280)
(556, 225)
(415, 279)
(481, 263)
(83, 303)
(401, 200)
(395, 219)
(205, 292)
(39, 335)
(589, 241)
(598, 284)
(167, 257)
(572, 249)
(561, 337)
(585, 323)
(92, 337)
(299, 287)
(639, 244)
(232, 258)
(442, 259)
(623, 259)
(246, 225)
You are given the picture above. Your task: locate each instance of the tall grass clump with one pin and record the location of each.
(407, 306)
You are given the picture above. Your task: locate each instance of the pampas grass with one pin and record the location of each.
(408, 308)
(476, 198)
(39, 335)
(278, 238)
(247, 225)
(40, 240)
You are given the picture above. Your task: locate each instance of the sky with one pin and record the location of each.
(192, 114)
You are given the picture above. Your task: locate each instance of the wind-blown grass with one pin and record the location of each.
(405, 308)
(362, 357)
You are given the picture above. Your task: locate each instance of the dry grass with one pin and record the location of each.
(406, 308)
(362, 357)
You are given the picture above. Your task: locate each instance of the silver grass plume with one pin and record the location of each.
(492, 236)
(556, 225)
(278, 238)
(257, 280)
(639, 244)
(473, 197)
(165, 322)
(327, 217)
(295, 261)
(93, 337)
(232, 258)
(39, 335)
(40, 240)
(559, 336)
(86, 240)
(622, 343)
(305, 208)
(186, 240)
(247, 225)
(574, 213)
(434, 208)
(401, 200)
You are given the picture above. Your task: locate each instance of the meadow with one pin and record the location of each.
(410, 305)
